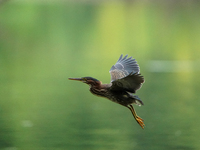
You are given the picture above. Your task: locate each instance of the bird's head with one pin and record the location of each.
(88, 80)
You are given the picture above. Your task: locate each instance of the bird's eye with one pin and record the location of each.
(84, 80)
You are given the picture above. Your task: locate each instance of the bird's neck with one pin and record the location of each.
(100, 86)
(105, 86)
(100, 90)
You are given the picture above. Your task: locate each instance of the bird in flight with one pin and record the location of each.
(125, 80)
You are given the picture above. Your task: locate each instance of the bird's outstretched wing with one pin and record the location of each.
(125, 75)
(130, 83)
(123, 67)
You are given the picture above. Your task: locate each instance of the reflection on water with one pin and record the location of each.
(43, 45)
(173, 66)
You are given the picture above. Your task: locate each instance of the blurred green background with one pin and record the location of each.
(42, 43)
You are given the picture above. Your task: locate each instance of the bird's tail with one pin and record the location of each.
(138, 101)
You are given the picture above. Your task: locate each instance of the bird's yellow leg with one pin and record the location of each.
(137, 118)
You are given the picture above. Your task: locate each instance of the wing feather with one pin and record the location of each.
(130, 83)
(123, 67)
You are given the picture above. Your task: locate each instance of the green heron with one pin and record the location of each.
(125, 80)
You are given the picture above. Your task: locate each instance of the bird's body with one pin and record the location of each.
(121, 97)
(125, 80)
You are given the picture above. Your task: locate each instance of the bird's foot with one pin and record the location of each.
(137, 118)
(140, 121)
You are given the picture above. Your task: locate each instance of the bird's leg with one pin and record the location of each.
(137, 118)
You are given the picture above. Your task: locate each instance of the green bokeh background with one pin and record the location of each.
(42, 43)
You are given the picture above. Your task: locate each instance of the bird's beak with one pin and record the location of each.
(77, 79)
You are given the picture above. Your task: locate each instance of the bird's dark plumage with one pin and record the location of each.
(125, 75)
(130, 83)
(125, 80)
